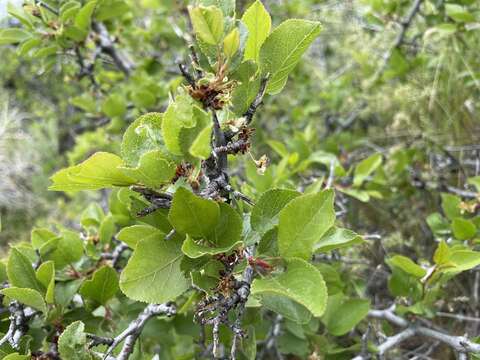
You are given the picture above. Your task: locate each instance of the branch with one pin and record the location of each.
(133, 331)
(248, 115)
(107, 46)
(460, 344)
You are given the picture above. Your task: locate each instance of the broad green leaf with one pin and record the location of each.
(40, 236)
(360, 195)
(463, 229)
(462, 260)
(283, 48)
(102, 286)
(258, 23)
(227, 6)
(231, 43)
(46, 276)
(247, 90)
(459, 13)
(72, 344)
(111, 9)
(153, 272)
(225, 236)
(407, 265)
(301, 282)
(142, 136)
(63, 250)
(16, 356)
(106, 229)
(13, 36)
(133, 234)
(337, 238)
(28, 297)
(193, 215)
(302, 223)
(286, 307)
(365, 168)
(152, 171)
(451, 206)
(207, 23)
(19, 13)
(20, 271)
(97, 172)
(201, 147)
(114, 105)
(92, 216)
(266, 211)
(68, 10)
(438, 224)
(179, 115)
(343, 314)
(84, 16)
(442, 254)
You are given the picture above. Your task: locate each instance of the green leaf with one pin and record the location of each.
(20, 271)
(303, 221)
(283, 48)
(462, 260)
(301, 282)
(28, 297)
(442, 254)
(63, 250)
(286, 307)
(72, 344)
(343, 314)
(114, 105)
(201, 147)
(19, 13)
(337, 238)
(133, 234)
(106, 229)
(40, 236)
(365, 168)
(152, 171)
(451, 206)
(84, 16)
(46, 276)
(407, 265)
(266, 211)
(247, 90)
(459, 13)
(207, 23)
(102, 286)
(225, 236)
(142, 136)
(13, 36)
(153, 272)
(231, 43)
(463, 229)
(97, 172)
(17, 356)
(258, 23)
(193, 215)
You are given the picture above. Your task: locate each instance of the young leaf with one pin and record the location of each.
(231, 43)
(84, 16)
(407, 265)
(343, 314)
(20, 271)
(72, 344)
(46, 276)
(102, 286)
(247, 90)
(225, 236)
(207, 23)
(337, 238)
(301, 282)
(283, 48)
(114, 105)
(153, 272)
(97, 172)
(142, 136)
(265, 212)
(13, 36)
(152, 171)
(365, 168)
(303, 221)
(258, 23)
(28, 297)
(451, 206)
(201, 147)
(40, 236)
(193, 215)
(63, 250)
